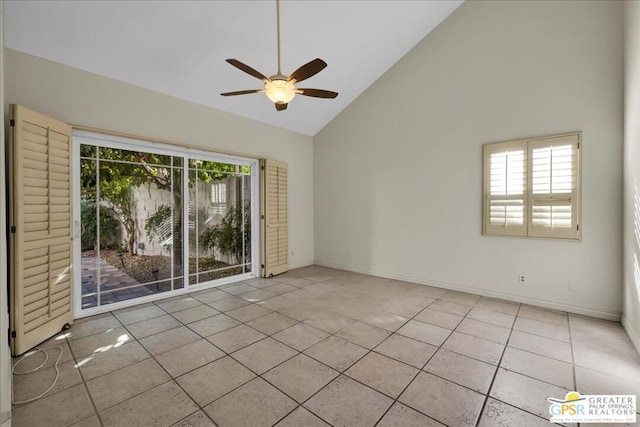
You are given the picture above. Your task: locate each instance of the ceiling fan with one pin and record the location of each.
(279, 88)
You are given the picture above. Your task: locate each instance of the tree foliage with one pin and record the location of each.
(121, 170)
(232, 236)
(108, 225)
(158, 226)
(133, 168)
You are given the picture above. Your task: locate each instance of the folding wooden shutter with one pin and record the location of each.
(275, 251)
(41, 222)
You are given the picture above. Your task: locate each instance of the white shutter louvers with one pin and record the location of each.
(505, 202)
(41, 255)
(532, 187)
(554, 187)
(274, 210)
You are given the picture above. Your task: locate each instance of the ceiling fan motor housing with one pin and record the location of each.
(279, 89)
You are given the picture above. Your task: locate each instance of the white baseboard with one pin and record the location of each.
(554, 305)
(300, 264)
(634, 335)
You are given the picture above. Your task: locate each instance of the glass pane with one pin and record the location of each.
(156, 240)
(121, 274)
(178, 215)
(88, 151)
(246, 201)
(218, 220)
(135, 157)
(208, 169)
(194, 249)
(131, 236)
(89, 238)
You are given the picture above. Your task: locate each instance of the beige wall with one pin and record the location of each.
(397, 177)
(397, 182)
(5, 354)
(631, 296)
(81, 98)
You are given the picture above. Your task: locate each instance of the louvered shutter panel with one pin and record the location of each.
(41, 255)
(275, 225)
(553, 198)
(505, 186)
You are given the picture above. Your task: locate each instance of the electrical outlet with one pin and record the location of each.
(522, 279)
(292, 253)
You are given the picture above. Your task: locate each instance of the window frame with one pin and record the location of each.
(528, 229)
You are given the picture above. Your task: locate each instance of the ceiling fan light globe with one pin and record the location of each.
(280, 91)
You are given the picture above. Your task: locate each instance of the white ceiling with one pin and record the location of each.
(179, 47)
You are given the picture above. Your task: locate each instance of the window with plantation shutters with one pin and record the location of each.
(40, 217)
(274, 217)
(532, 187)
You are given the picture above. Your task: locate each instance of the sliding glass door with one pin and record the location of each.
(154, 219)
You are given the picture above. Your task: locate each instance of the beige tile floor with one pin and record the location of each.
(318, 347)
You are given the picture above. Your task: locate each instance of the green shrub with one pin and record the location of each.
(108, 226)
(228, 236)
(159, 225)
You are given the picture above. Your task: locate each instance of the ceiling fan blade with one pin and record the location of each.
(241, 92)
(244, 67)
(281, 107)
(318, 93)
(309, 69)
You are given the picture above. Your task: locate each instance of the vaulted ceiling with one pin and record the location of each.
(179, 47)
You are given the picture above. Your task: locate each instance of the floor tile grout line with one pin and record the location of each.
(516, 407)
(151, 356)
(573, 358)
(340, 373)
(396, 400)
(530, 377)
(277, 365)
(86, 386)
(537, 354)
(516, 348)
(541, 336)
(194, 413)
(521, 409)
(545, 321)
(441, 347)
(186, 324)
(495, 374)
(373, 349)
(98, 413)
(226, 354)
(482, 338)
(84, 381)
(370, 350)
(174, 380)
(301, 352)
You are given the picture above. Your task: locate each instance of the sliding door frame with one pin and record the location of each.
(133, 144)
